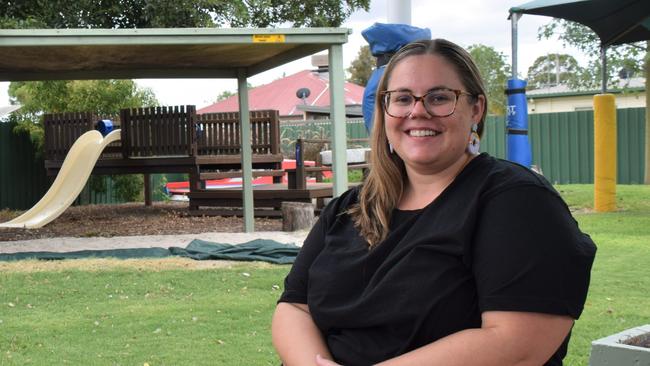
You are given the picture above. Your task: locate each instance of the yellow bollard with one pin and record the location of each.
(604, 153)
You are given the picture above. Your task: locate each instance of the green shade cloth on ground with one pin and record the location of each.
(255, 250)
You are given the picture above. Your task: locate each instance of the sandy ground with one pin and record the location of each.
(69, 244)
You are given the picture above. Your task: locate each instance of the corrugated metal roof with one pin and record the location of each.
(281, 94)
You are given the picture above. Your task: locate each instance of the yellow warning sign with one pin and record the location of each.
(268, 38)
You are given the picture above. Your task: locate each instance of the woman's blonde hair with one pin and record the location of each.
(383, 187)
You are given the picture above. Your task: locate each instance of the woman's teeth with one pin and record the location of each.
(422, 133)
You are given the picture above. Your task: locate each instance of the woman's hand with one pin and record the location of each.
(320, 361)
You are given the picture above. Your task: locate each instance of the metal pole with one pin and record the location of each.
(514, 18)
(246, 151)
(603, 61)
(337, 115)
(399, 11)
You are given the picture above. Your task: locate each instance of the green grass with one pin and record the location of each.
(123, 316)
(129, 317)
(618, 295)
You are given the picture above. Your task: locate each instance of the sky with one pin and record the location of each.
(465, 22)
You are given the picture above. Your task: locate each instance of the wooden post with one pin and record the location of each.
(297, 216)
(301, 179)
(147, 189)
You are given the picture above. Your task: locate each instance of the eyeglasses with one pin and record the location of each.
(438, 103)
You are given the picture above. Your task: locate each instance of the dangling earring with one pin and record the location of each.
(391, 148)
(474, 141)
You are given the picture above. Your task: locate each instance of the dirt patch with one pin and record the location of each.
(133, 264)
(131, 219)
(642, 340)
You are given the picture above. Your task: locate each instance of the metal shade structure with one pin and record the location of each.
(69, 54)
(614, 21)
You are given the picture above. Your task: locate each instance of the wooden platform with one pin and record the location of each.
(266, 195)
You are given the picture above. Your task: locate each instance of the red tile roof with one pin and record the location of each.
(281, 94)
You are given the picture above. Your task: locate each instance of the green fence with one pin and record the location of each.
(22, 175)
(563, 145)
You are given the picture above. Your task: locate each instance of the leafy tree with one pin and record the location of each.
(175, 13)
(555, 69)
(362, 66)
(494, 70)
(628, 57)
(225, 95)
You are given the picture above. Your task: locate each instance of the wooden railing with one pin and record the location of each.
(158, 131)
(169, 132)
(219, 133)
(62, 130)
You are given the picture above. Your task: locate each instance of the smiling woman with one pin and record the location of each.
(441, 256)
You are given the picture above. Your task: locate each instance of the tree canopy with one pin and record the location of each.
(555, 69)
(175, 13)
(494, 70)
(627, 58)
(361, 68)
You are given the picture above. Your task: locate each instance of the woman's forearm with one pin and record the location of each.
(295, 336)
(508, 338)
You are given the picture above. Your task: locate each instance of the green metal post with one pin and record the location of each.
(246, 151)
(337, 115)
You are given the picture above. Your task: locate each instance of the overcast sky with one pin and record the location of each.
(465, 22)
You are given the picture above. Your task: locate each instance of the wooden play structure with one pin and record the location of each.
(177, 140)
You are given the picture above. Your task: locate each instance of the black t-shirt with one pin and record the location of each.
(498, 238)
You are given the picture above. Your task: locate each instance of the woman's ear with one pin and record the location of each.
(478, 108)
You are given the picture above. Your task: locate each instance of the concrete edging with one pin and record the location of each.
(611, 351)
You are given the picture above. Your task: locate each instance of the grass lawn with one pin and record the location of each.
(140, 314)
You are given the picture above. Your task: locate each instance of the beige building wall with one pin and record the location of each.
(570, 103)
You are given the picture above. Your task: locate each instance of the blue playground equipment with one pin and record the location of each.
(518, 146)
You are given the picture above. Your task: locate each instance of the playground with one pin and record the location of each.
(179, 311)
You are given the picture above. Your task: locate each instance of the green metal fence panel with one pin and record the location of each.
(494, 136)
(630, 145)
(563, 145)
(22, 174)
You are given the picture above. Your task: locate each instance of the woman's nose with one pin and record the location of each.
(419, 110)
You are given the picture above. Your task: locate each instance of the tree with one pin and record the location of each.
(225, 95)
(494, 70)
(628, 57)
(555, 69)
(362, 67)
(175, 13)
(632, 58)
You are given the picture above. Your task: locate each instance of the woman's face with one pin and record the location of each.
(425, 143)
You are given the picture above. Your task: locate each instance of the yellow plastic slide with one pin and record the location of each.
(72, 177)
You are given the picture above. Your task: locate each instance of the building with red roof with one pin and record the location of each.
(282, 95)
